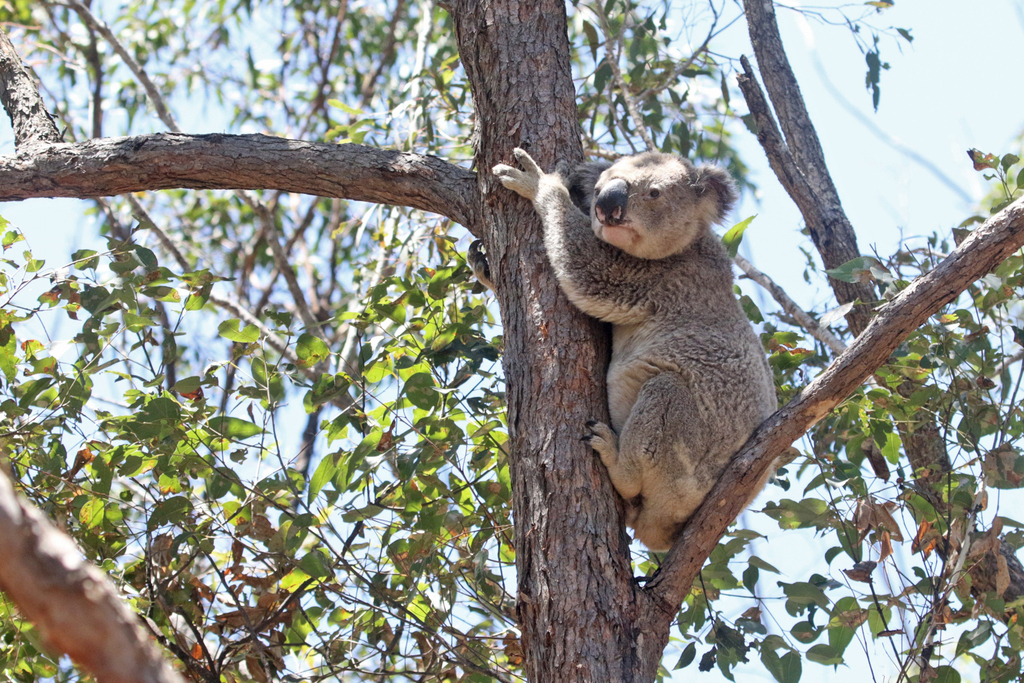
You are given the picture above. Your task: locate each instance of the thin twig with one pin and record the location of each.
(151, 90)
(789, 306)
(611, 58)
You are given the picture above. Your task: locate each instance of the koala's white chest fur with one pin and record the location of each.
(631, 366)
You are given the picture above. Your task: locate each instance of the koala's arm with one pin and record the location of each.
(596, 277)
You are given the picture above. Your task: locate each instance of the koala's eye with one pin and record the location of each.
(654, 194)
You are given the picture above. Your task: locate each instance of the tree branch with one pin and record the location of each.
(163, 161)
(77, 609)
(21, 100)
(984, 248)
(798, 161)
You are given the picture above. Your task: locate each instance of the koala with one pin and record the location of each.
(631, 244)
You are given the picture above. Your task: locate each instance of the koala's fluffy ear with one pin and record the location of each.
(581, 183)
(716, 183)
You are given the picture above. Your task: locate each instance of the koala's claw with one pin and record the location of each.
(603, 440)
(526, 161)
(523, 183)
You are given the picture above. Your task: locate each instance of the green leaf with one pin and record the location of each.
(316, 564)
(344, 107)
(169, 511)
(421, 391)
(854, 270)
(229, 329)
(734, 236)
(91, 513)
(11, 238)
(790, 514)
(233, 427)
(689, 652)
(189, 385)
(756, 561)
(946, 674)
(310, 350)
(592, 39)
(85, 259)
(146, 257)
(751, 310)
(801, 595)
(824, 654)
(974, 638)
(324, 473)
(785, 669)
(136, 323)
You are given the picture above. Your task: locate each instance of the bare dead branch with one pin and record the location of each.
(20, 96)
(73, 603)
(985, 248)
(804, 166)
(162, 161)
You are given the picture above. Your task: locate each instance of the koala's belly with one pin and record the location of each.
(629, 370)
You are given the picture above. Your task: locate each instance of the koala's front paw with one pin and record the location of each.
(603, 440)
(525, 182)
(477, 262)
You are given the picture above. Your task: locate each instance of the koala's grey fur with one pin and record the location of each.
(688, 381)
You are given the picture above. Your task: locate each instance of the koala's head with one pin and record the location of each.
(655, 205)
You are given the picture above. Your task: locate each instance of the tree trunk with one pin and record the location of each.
(577, 606)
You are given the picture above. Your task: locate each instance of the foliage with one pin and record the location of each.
(346, 511)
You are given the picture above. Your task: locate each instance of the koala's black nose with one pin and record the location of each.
(610, 204)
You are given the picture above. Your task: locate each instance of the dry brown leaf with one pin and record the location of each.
(513, 650)
(925, 539)
(1002, 575)
(871, 514)
(861, 571)
(753, 613)
(886, 549)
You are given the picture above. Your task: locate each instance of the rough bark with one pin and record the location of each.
(76, 607)
(163, 161)
(22, 102)
(577, 607)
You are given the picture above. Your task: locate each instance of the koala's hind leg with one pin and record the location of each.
(626, 476)
(672, 444)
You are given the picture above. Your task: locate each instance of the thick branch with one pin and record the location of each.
(985, 248)
(21, 99)
(163, 161)
(77, 609)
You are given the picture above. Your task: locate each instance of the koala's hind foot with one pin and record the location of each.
(477, 262)
(525, 182)
(626, 476)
